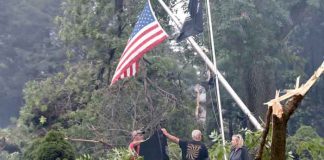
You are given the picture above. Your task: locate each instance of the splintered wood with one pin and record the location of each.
(302, 90)
(277, 107)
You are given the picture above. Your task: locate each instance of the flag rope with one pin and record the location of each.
(219, 104)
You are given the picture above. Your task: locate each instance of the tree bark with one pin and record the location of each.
(278, 146)
(279, 128)
(119, 5)
(259, 88)
(264, 134)
(118, 10)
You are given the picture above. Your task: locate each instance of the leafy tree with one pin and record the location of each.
(306, 144)
(306, 37)
(80, 101)
(28, 49)
(51, 147)
(249, 44)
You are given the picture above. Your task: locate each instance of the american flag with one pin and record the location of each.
(146, 35)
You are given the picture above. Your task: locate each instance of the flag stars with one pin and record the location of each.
(145, 18)
(148, 34)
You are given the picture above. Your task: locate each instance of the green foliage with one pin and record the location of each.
(252, 141)
(42, 98)
(84, 157)
(249, 39)
(174, 151)
(80, 97)
(52, 146)
(89, 27)
(9, 156)
(306, 143)
(217, 149)
(121, 154)
(28, 49)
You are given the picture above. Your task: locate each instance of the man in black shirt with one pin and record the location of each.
(191, 150)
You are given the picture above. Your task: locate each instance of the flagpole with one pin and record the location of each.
(212, 68)
(216, 77)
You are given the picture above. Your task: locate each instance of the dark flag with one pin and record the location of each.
(193, 24)
(155, 148)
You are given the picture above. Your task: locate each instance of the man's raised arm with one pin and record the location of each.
(169, 136)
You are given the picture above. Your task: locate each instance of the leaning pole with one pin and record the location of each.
(211, 66)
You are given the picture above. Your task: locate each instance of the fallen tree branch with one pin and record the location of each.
(264, 134)
(89, 141)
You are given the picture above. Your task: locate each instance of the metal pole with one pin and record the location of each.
(212, 68)
(216, 77)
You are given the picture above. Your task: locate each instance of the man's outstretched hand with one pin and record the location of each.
(169, 136)
(164, 131)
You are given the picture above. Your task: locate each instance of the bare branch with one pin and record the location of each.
(264, 134)
(163, 92)
(90, 141)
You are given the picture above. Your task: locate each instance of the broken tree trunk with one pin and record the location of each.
(281, 115)
(279, 128)
(200, 111)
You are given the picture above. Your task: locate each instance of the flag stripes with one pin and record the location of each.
(149, 34)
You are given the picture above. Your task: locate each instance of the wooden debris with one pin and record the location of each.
(302, 90)
(277, 107)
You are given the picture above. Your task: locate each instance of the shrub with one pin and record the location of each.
(51, 147)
